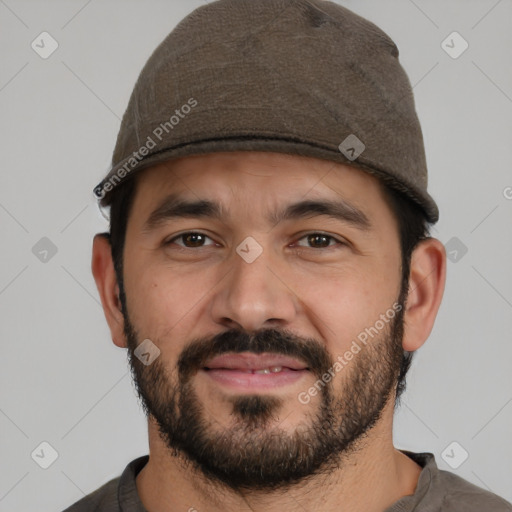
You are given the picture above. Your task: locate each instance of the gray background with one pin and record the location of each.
(62, 380)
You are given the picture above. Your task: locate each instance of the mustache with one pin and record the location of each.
(200, 350)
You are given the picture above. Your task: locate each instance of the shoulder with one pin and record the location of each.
(442, 491)
(461, 495)
(117, 494)
(103, 499)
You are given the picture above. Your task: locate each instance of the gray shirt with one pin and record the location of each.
(437, 491)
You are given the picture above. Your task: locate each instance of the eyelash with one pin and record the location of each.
(330, 237)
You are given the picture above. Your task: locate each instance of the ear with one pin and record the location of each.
(426, 286)
(104, 274)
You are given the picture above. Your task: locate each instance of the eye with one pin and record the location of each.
(190, 240)
(194, 239)
(319, 241)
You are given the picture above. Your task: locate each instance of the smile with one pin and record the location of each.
(255, 371)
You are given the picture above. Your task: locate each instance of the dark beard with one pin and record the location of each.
(254, 453)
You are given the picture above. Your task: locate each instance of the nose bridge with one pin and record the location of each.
(252, 295)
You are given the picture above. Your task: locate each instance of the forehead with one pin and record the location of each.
(243, 176)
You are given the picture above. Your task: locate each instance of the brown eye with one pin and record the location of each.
(189, 240)
(319, 241)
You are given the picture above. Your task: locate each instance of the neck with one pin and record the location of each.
(370, 478)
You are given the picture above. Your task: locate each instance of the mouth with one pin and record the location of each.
(255, 371)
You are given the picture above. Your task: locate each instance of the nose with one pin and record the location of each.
(254, 295)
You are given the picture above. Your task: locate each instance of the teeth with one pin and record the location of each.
(272, 369)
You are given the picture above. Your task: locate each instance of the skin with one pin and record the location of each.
(329, 294)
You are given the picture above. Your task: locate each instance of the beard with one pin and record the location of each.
(253, 453)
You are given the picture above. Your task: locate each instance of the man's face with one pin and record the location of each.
(251, 309)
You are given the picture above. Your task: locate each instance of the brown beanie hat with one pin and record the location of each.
(304, 77)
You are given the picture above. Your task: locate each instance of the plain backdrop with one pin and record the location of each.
(64, 383)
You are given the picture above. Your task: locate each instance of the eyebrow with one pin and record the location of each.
(174, 207)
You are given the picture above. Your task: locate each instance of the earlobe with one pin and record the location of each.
(426, 286)
(104, 274)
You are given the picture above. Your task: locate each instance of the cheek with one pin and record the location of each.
(343, 303)
(165, 301)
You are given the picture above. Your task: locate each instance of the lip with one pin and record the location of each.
(249, 361)
(235, 371)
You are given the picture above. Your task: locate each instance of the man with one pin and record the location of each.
(269, 268)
